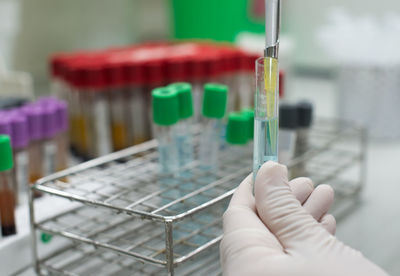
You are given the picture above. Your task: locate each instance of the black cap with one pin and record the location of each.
(305, 113)
(288, 116)
(7, 103)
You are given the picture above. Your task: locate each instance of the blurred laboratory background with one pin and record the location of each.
(81, 80)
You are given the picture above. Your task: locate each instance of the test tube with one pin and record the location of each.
(49, 130)
(305, 117)
(95, 110)
(287, 132)
(119, 105)
(266, 113)
(135, 79)
(237, 134)
(184, 132)
(165, 116)
(245, 80)
(35, 154)
(62, 135)
(214, 108)
(7, 193)
(20, 141)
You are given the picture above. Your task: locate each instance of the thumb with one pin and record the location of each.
(281, 212)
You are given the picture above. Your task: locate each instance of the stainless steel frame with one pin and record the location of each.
(122, 207)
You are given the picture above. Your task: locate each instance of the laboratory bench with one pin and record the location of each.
(370, 225)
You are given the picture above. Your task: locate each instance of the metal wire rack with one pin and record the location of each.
(122, 217)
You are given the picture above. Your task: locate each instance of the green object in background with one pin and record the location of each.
(46, 238)
(237, 129)
(214, 100)
(165, 106)
(6, 156)
(219, 20)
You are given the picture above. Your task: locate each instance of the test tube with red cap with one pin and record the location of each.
(62, 135)
(119, 104)
(155, 76)
(135, 80)
(94, 107)
(245, 80)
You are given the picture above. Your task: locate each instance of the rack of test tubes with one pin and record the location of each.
(124, 217)
(109, 90)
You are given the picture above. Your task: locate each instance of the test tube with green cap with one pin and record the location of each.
(214, 108)
(183, 135)
(7, 193)
(249, 114)
(165, 116)
(237, 130)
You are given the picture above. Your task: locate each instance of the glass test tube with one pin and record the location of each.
(214, 108)
(266, 113)
(49, 131)
(288, 117)
(245, 81)
(7, 193)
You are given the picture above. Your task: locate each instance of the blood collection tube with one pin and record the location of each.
(155, 75)
(20, 140)
(245, 80)
(183, 131)
(49, 130)
(198, 73)
(58, 86)
(214, 108)
(229, 78)
(35, 154)
(119, 105)
(62, 135)
(165, 116)
(95, 109)
(135, 79)
(7, 193)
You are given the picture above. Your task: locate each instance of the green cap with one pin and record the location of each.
(184, 90)
(249, 113)
(6, 156)
(214, 100)
(237, 131)
(165, 106)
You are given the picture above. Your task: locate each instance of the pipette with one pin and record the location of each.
(266, 101)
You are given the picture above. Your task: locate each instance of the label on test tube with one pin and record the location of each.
(102, 124)
(49, 150)
(22, 175)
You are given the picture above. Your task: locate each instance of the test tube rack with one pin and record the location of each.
(122, 218)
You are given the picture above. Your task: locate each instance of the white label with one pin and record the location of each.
(22, 175)
(49, 162)
(102, 126)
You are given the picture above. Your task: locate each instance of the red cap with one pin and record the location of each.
(74, 74)
(154, 72)
(94, 76)
(281, 84)
(134, 73)
(248, 62)
(177, 69)
(114, 74)
(205, 66)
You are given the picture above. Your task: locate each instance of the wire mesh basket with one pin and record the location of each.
(122, 217)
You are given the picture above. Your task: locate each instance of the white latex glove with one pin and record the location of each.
(273, 234)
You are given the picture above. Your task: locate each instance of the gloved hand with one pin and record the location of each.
(273, 234)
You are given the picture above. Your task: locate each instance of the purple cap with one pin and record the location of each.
(49, 121)
(43, 101)
(19, 129)
(5, 124)
(34, 116)
(62, 116)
